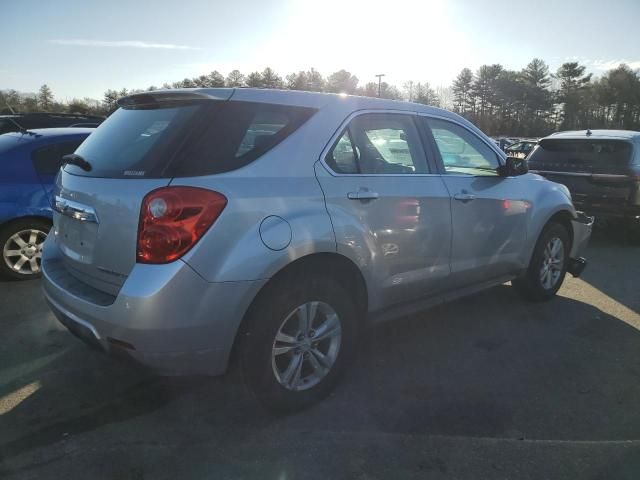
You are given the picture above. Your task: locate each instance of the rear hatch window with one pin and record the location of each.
(582, 156)
(183, 139)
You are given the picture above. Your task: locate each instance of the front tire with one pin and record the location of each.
(21, 248)
(548, 265)
(299, 338)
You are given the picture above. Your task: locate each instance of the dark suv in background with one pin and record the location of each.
(601, 168)
(17, 122)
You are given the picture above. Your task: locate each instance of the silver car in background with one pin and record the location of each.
(276, 224)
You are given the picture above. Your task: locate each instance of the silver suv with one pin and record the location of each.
(277, 224)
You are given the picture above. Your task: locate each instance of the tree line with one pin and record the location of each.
(531, 102)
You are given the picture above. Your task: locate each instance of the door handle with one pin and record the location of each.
(464, 197)
(362, 195)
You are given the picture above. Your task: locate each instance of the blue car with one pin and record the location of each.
(29, 163)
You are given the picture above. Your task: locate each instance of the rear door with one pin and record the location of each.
(388, 210)
(489, 212)
(597, 172)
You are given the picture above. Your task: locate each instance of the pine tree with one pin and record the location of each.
(235, 79)
(45, 97)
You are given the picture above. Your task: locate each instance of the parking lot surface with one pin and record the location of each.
(486, 387)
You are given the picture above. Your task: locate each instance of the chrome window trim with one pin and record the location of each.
(597, 176)
(558, 172)
(339, 131)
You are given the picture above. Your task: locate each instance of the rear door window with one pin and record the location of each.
(186, 139)
(379, 144)
(342, 158)
(48, 160)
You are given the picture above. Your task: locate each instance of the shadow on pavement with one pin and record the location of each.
(618, 261)
(487, 366)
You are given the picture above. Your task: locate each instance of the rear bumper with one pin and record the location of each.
(165, 317)
(582, 227)
(622, 214)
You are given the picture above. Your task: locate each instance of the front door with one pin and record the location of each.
(390, 214)
(489, 212)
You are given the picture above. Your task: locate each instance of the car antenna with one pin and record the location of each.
(13, 112)
(21, 129)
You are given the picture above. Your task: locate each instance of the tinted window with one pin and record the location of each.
(186, 139)
(263, 127)
(581, 155)
(462, 152)
(48, 160)
(520, 150)
(7, 126)
(342, 158)
(379, 144)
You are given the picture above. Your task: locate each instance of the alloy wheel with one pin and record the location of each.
(552, 263)
(22, 252)
(306, 346)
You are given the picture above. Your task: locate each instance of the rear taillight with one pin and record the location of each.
(173, 219)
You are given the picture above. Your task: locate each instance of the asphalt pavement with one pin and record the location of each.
(486, 387)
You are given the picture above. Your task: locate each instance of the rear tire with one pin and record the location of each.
(548, 265)
(289, 367)
(21, 248)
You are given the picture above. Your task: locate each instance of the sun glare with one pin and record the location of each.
(370, 37)
(12, 400)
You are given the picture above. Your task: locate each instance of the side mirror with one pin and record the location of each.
(514, 167)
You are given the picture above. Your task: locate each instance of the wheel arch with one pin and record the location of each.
(563, 216)
(13, 220)
(334, 264)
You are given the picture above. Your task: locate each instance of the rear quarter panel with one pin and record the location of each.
(281, 183)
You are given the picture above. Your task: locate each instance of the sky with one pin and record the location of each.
(82, 48)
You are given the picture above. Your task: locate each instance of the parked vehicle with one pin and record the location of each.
(520, 149)
(504, 142)
(28, 121)
(29, 163)
(277, 224)
(601, 168)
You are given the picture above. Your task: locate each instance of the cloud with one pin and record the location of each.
(121, 44)
(610, 64)
(602, 64)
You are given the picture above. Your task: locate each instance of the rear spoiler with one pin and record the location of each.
(156, 97)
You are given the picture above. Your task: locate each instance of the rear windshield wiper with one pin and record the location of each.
(77, 160)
